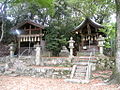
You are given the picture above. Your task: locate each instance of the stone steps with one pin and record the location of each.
(79, 75)
(83, 59)
(80, 72)
(82, 69)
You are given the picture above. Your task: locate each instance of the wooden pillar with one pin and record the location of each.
(82, 42)
(89, 33)
(40, 37)
(18, 45)
(88, 28)
(29, 38)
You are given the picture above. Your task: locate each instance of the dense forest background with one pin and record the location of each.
(59, 17)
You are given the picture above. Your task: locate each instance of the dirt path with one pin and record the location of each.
(31, 83)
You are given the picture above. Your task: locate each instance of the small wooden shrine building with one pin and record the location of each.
(29, 33)
(88, 31)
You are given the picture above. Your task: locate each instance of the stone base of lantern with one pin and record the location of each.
(101, 55)
(101, 49)
(71, 56)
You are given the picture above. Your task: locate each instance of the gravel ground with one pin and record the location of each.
(34, 83)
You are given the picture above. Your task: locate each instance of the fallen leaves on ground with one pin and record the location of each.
(35, 83)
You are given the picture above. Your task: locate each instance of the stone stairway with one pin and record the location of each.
(81, 71)
(84, 59)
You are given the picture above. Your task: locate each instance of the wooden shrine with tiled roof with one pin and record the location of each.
(88, 31)
(29, 33)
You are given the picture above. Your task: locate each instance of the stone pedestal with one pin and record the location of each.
(71, 46)
(101, 44)
(38, 54)
(71, 52)
(64, 52)
(12, 49)
(101, 49)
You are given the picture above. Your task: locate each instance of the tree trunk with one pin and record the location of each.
(2, 31)
(3, 14)
(115, 78)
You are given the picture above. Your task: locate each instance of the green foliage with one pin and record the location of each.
(52, 45)
(49, 4)
(97, 9)
(55, 41)
(105, 63)
(59, 30)
(110, 40)
(42, 3)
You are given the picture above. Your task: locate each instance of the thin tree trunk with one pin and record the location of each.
(2, 31)
(3, 13)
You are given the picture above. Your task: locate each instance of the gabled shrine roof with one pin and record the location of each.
(90, 22)
(19, 25)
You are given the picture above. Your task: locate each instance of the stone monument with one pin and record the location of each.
(64, 52)
(38, 54)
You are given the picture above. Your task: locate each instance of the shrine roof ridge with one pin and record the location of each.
(88, 21)
(27, 22)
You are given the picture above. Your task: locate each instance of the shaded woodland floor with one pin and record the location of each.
(34, 83)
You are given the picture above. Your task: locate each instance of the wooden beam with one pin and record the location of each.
(33, 35)
(33, 29)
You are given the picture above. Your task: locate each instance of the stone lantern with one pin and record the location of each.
(12, 49)
(100, 44)
(71, 46)
(38, 54)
